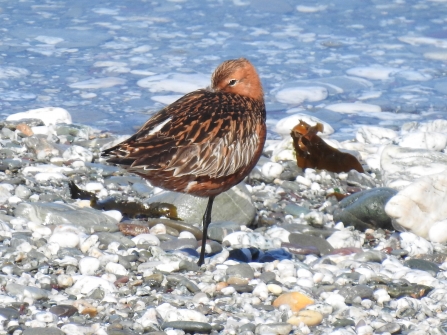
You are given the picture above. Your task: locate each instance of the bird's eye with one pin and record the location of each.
(232, 82)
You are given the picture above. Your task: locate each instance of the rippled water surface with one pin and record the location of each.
(111, 63)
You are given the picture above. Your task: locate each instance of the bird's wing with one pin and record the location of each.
(203, 133)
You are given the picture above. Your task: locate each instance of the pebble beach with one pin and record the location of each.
(284, 256)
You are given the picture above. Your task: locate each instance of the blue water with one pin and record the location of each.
(57, 43)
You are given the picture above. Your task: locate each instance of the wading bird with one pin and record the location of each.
(205, 142)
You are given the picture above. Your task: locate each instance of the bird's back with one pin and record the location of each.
(203, 144)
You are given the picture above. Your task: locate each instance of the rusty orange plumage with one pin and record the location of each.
(204, 143)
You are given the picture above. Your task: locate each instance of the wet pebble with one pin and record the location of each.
(305, 240)
(423, 265)
(308, 317)
(188, 326)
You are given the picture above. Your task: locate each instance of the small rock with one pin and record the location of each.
(305, 240)
(188, 326)
(308, 317)
(296, 300)
(241, 271)
(273, 328)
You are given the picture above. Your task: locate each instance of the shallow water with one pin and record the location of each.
(111, 63)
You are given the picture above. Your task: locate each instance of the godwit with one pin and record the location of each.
(205, 142)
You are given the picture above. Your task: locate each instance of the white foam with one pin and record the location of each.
(105, 11)
(370, 95)
(414, 75)
(166, 99)
(49, 39)
(419, 40)
(109, 63)
(436, 55)
(175, 82)
(98, 83)
(310, 9)
(297, 95)
(10, 72)
(376, 72)
(348, 108)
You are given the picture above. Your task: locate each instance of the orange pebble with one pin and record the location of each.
(295, 300)
(25, 129)
(92, 311)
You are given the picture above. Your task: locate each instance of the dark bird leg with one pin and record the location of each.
(206, 221)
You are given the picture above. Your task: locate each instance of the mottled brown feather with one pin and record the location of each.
(205, 142)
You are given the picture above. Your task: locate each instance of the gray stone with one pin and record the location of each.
(57, 213)
(188, 266)
(360, 179)
(43, 331)
(4, 194)
(366, 210)
(241, 271)
(107, 238)
(178, 226)
(309, 230)
(176, 279)
(280, 328)
(370, 256)
(188, 326)
(218, 230)
(306, 240)
(248, 327)
(421, 264)
(352, 292)
(296, 210)
(26, 291)
(179, 243)
(63, 310)
(9, 313)
(41, 146)
(392, 328)
(267, 277)
(242, 288)
(22, 192)
(234, 205)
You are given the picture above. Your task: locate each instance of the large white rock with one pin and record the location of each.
(345, 239)
(89, 265)
(421, 207)
(424, 140)
(438, 126)
(415, 245)
(48, 115)
(87, 284)
(402, 166)
(430, 135)
(375, 135)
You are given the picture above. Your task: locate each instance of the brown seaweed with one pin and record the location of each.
(131, 209)
(313, 152)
